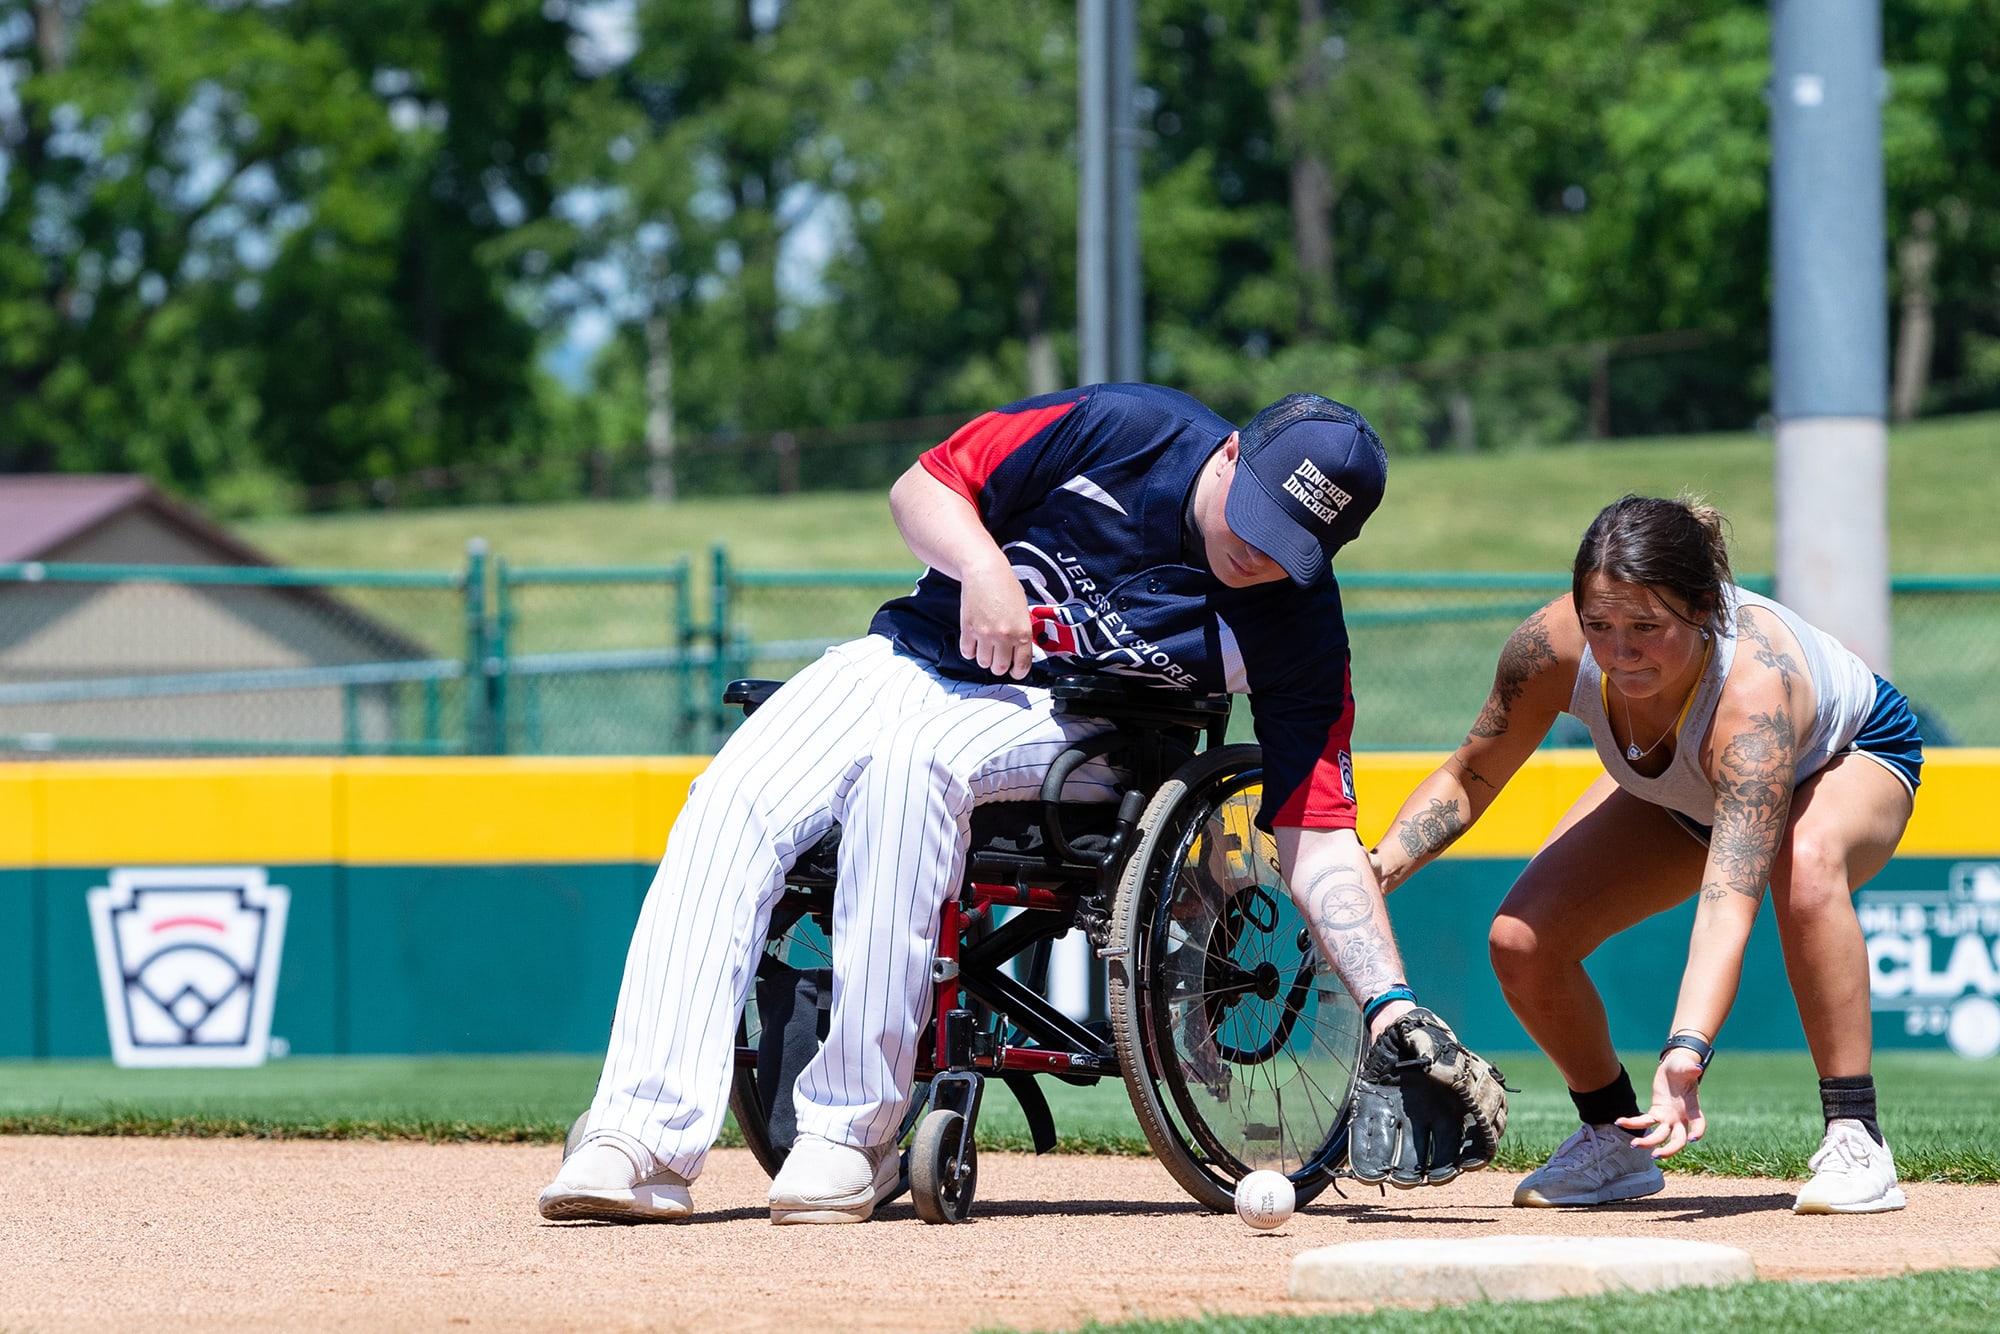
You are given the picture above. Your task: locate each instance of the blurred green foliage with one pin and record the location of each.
(322, 252)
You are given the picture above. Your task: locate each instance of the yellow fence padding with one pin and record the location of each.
(507, 811)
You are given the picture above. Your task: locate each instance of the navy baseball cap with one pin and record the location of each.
(1309, 472)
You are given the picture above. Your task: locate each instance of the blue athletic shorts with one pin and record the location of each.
(1889, 736)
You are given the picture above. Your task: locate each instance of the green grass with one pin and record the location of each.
(1509, 510)
(835, 530)
(447, 1098)
(1950, 1300)
(1942, 1113)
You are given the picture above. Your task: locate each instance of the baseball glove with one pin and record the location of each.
(1425, 1108)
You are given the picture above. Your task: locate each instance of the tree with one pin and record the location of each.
(242, 242)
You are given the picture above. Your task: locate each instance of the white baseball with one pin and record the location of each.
(1265, 1199)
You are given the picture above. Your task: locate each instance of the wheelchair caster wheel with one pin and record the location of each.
(941, 1181)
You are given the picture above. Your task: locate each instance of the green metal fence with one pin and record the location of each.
(496, 658)
(1425, 644)
(596, 661)
(139, 659)
(1946, 632)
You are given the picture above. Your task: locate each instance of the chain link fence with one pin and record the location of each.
(598, 661)
(494, 659)
(1946, 636)
(1425, 644)
(212, 659)
(1423, 648)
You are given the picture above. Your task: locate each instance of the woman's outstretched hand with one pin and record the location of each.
(1674, 1121)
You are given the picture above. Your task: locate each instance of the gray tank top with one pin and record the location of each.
(1842, 685)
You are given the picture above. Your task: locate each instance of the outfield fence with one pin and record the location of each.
(500, 659)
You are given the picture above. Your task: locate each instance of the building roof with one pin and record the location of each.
(42, 512)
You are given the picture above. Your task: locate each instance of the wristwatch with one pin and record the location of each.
(1704, 1051)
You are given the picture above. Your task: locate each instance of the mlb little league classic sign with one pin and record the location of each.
(1934, 957)
(188, 958)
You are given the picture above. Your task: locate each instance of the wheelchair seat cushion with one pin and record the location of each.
(1003, 829)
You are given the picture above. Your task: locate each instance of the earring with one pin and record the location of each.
(1704, 636)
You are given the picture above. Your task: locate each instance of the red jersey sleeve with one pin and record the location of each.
(967, 461)
(1315, 792)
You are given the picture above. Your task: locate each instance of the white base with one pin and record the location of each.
(1511, 1269)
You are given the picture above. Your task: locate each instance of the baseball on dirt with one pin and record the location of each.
(1264, 1199)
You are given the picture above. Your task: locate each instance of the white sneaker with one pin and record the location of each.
(1596, 1165)
(824, 1182)
(601, 1180)
(1852, 1174)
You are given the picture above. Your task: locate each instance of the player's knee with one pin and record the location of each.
(1518, 952)
(1811, 874)
(739, 797)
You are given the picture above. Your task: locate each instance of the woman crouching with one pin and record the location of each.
(1742, 748)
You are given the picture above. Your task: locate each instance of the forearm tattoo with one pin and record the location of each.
(1528, 650)
(1753, 799)
(1433, 830)
(1469, 775)
(1362, 963)
(1345, 914)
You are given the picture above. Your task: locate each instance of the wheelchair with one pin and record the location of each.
(1236, 1043)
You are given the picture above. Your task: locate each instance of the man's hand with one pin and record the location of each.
(943, 530)
(993, 625)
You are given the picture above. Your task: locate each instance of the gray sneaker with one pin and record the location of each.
(824, 1182)
(1596, 1165)
(601, 1181)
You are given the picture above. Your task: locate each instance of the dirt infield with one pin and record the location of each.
(233, 1234)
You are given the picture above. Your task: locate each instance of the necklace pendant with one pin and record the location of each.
(1633, 752)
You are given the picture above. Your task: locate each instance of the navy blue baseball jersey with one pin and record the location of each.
(1086, 491)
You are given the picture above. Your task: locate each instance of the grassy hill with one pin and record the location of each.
(1512, 510)
(1423, 659)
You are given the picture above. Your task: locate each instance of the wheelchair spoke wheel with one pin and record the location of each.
(760, 1094)
(1238, 1045)
(941, 1182)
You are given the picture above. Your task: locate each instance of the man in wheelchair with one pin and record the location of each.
(1117, 528)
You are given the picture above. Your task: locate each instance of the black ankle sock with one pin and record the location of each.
(1601, 1107)
(1851, 1098)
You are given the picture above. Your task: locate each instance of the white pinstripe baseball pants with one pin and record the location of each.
(898, 755)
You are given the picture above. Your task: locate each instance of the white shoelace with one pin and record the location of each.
(1854, 1149)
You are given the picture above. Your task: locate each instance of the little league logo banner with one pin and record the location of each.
(189, 963)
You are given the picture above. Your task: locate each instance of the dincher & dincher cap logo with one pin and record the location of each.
(1309, 473)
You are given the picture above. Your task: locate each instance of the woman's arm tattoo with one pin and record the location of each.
(1433, 830)
(1769, 654)
(1528, 650)
(1471, 775)
(1753, 800)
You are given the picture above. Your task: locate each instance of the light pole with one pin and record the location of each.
(1830, 319)
(1109, 308)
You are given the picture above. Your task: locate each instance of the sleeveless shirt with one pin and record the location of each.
(1843, 687)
